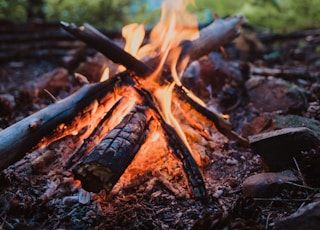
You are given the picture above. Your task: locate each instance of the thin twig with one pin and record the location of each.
(300, 173)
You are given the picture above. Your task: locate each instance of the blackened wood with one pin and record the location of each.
(54, 121)
(104, 165)
(106, 46)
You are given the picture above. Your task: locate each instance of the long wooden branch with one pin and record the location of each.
(57, 120)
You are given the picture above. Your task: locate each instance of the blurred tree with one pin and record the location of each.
(13, 10)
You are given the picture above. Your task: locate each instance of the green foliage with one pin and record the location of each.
(13, 10)
(277, 15)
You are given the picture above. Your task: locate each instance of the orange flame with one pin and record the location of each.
(134, 35)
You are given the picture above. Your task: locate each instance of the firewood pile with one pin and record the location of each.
(238, 149)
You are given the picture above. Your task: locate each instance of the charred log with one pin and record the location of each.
(102, 167)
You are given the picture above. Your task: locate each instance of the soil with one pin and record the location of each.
(38, 193)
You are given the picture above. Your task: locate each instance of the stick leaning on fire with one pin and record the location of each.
(62, 118)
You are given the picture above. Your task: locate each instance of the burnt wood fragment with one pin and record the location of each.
(104, 165)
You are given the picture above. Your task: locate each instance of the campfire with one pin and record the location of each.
(133, 111)
(145, 128)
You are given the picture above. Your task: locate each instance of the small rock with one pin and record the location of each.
(265, 95)
(70, 200)
(267, 184)
(278, 148)
(306, 217)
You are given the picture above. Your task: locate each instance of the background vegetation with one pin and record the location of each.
(277, 15)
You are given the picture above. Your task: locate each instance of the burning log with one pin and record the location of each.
(102, 167)
(191, 170)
